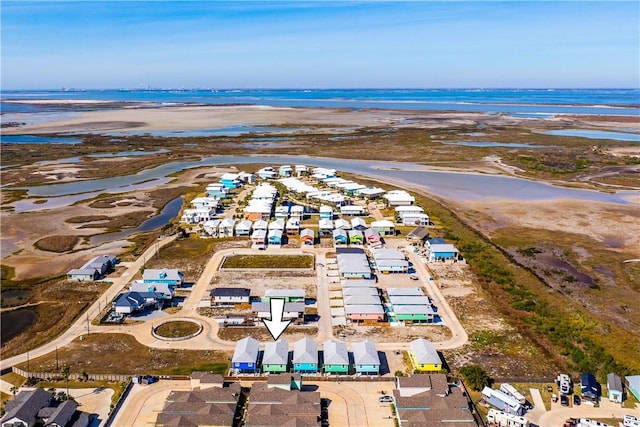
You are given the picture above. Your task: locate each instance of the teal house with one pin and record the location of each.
(275, 357)
(365, 358)
(305, 356)
(336, 358)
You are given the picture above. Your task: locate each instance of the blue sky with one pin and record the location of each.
(319, 44)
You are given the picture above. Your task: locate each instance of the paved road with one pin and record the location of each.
(538, 406)
(145, 401)
(558, 414)
(80, 326)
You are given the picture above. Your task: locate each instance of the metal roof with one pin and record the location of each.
(365, 353)
(276, 353)
(424, 352)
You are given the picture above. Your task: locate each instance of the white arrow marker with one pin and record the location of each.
(276, 325)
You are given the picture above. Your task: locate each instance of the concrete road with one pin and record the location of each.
(558, 414)
(538, 406)
(145, 401)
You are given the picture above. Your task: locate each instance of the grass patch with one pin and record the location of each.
(268, 261)
(14, 379)
(105, 353)
(86, 218)
(58, 244)
(177, 329)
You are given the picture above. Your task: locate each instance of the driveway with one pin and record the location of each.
(558, 414)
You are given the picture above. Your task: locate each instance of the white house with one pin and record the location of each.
(301, 169)
(267, 173)
(225, 229)
(370, 192)
(352, 210)
(277, 225)
(205, 202)
(384, 227)
(342, 224)
(297, 211)
(293, 226)
(197, 215)
(415, 219)
(281, 212)
(399, 198)
(358, 224)
(260, 225)
(211, 227)
(243, 228)
(230, 296)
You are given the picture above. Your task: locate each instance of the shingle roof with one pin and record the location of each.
(62, 414)
(230, 292)
(26, 404)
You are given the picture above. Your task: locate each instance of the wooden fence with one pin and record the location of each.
(73, 376)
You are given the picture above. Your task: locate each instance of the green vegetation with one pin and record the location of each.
(57, 244)
(13, 378)
(177, 329)
(81, 355)
(268, 261)
(474, 377)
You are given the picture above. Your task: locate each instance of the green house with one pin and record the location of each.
(276, 357)
(336, 358)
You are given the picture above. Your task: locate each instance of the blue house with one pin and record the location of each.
(169, 276)
(326, 212)
(305, 356)
(217, 190)
(340, 236)
(442, 252)
(230, 180)
(614, 385)
(285, 170)
(245, 356)
(275, 237)
(365, 358)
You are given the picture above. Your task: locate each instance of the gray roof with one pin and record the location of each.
(305, 351)
(365, 353)
(358, 283)
(413, 309)
(26, 404)
(614, 383)
(289, 307)
(404, 292)
(230, 292)
(83, 271)
(276, 353)
(335, 353)
(62, 414)
(359, 291)
(364, 309)
(442, 247)
(339, 232)
(130, 299)
(385, 253)
(100, 260)
(298, 293)
(420, 233)
(382, 263)
(362, 299)
(424, 352)
(354, 263)
(409, 300)
(164, 288)
(246, 351)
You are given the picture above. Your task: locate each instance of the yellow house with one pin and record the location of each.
(424, 356)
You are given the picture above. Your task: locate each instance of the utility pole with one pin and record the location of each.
(57, 367)
(28, 370)
(87, 323)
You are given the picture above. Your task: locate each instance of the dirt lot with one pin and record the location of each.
(259, 282)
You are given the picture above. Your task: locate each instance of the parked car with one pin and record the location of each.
(550, 389)
(385, 399)
(413, 277)
(576, 400)
(554, 398)
(564, 400)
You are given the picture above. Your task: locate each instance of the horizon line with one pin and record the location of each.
(73, 89)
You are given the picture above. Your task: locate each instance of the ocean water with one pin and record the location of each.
(521, 102)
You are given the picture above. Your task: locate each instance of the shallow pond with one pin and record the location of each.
(14, 322)
(33, 139)
(596, 134)
(495, 144)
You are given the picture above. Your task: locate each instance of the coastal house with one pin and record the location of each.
(415, 219)
(285, 170)
(277, 225)
(23, 409)
(258, 210)
(358, 224)
(384, 227)
(399, 198)
(633, 385)
(211, 227)
(342, 224)
(359, 291)
(351, 188)
(323, 173)
(418, 236)
(292, 226)
(423, 356)
(230, 296)
(442, 252)
(307, 236)
(170, 276)
(325, 227)
(93, 269)
(216, 190)
(372, 237)
(243, 228)
(390, 261)
(230, 180)
(246, 178)
(226, 227)
(259, 237)
(340, 237)
(281, 212)
(274, 407)
(326, 212)
(130, 302)
(365, 358)
(276, 357)
(289, 295)
(202, 380)
(288, 381)
(336, 358)
(355, 237)
(614, 386)
(305, 356)
(371, 193)
(297, 211)
(267, 173)
(292, 310)
(205, 203)
(362, 299)
(352, 210)
(275, 237)
(364, 313)
(245, 356)
(197, 215)
(83, 275)
(211, 407)
(414, 313)
(260, 225)
(301, 170)
(166, 290)
(353, 263)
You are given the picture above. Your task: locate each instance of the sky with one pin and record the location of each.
(323, 44)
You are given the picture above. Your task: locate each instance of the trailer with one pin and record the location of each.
(511, 391)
